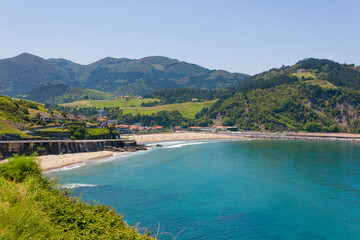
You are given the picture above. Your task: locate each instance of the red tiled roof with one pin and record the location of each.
(122, 126)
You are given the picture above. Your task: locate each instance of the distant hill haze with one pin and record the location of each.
(118, 76)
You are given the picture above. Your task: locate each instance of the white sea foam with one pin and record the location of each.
(166, 143)
(77, 185)
(184, 144)
(68, 167)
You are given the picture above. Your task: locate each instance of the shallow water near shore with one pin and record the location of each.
(233, 189)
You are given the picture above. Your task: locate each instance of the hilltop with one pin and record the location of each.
(118, 76)
(313, 95)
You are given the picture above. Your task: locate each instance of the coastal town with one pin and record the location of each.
(180, 120)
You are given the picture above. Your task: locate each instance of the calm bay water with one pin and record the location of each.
(260, 189)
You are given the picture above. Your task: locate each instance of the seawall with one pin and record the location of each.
(43, 147)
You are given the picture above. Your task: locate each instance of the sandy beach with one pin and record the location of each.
(50, 162)
(163, 137)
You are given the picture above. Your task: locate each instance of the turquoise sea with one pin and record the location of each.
(243, 189)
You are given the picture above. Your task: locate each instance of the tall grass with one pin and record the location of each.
(18, 167)
(34, 207)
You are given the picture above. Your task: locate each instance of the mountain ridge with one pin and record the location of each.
(22, 73)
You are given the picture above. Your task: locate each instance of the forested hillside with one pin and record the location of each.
(312, 95)
(63, 93)
(118, 76)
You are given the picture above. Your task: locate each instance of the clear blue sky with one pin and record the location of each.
(239, 36)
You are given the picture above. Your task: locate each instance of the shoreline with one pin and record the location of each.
(327, 137)
(51, 162)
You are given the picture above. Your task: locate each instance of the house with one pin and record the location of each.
(123, 129)
(44, 116)
(194, 100)
(82, 118)
(142, 129)
(133, 128)
(177, 128)
(126, 97)
(208, 129)
(301, 70)
(70, 117)
(224, 128)
(101, 113)
(159, 128)
(102, 120)
(203, 129)
(227, 128)
(139, 97)
(58, 117)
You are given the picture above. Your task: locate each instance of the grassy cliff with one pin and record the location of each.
(15, 114)
(34, 207)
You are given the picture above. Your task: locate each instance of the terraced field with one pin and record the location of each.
(322, 83)
(188, 109)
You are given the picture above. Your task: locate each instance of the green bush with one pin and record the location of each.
(18, 167)
(41, 151)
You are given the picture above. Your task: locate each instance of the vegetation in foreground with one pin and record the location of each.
(34, 207)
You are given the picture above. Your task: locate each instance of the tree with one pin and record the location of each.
(313, 127)
(227, 122)
(184, 125)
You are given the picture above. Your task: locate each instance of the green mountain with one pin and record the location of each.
(119, 76)
(312, 95)
(24, 72)
(63, 93)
